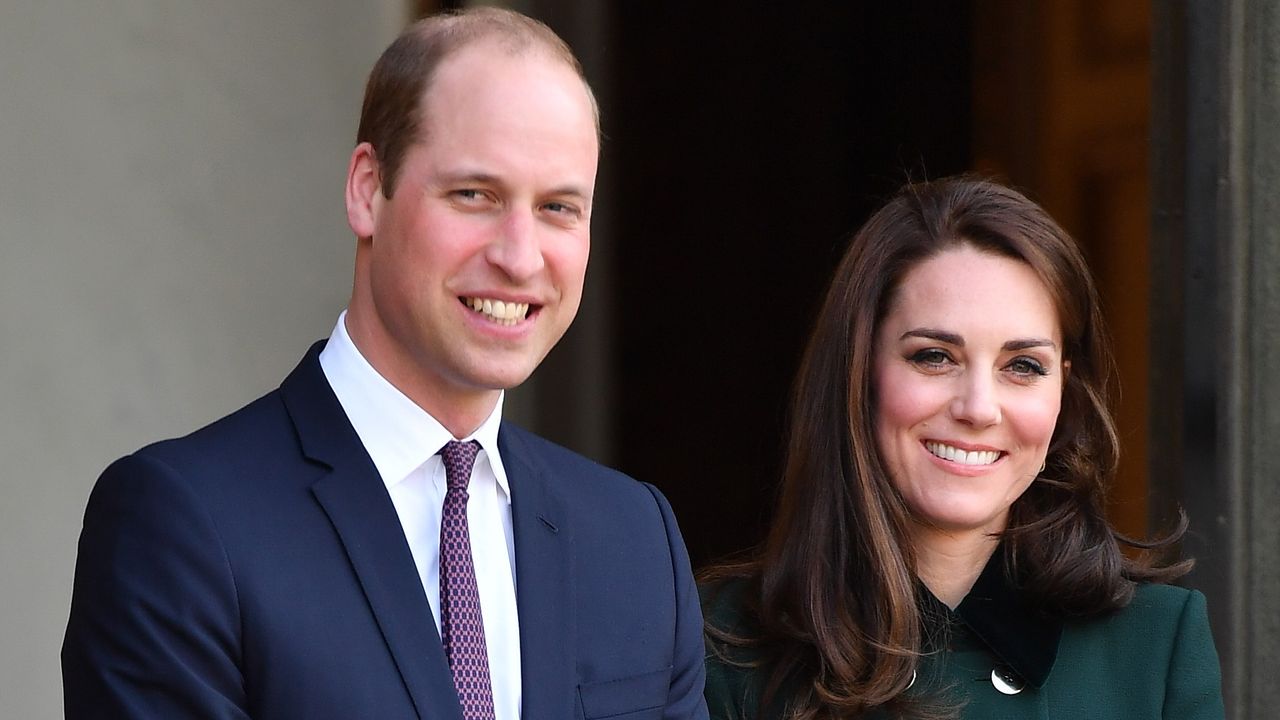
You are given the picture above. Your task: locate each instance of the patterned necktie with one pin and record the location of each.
(461, 622)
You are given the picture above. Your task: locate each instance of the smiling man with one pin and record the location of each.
(371, 540)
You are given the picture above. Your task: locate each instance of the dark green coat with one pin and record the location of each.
(1152, 659)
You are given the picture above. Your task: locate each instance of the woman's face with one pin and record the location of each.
(968, 374)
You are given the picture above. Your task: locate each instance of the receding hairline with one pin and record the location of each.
(514, 34)
(396, 99)
(484, 47)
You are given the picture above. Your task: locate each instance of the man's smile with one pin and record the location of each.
(498, 311)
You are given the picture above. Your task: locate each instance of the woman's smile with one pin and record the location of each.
(968, 375)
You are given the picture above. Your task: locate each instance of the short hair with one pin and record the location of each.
(391, 117)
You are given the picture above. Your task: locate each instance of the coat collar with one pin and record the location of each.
(544, 578)
(997, 614)
(354, 497)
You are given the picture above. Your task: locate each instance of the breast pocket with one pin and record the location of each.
(636, 697)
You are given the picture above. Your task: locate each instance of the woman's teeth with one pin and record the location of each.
(956, 455)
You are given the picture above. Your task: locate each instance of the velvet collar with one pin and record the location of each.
(1023, 638)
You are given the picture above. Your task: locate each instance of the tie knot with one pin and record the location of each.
(459, 457)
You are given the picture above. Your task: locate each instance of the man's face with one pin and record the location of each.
(476, 263)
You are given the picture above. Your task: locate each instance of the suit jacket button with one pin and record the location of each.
(1006, 680)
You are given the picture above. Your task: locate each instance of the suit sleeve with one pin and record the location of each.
(154, 628)
(1193, 690)
(688, 673)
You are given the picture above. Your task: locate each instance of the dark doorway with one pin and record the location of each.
(746, 145)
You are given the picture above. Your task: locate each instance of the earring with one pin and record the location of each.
(1043, 465)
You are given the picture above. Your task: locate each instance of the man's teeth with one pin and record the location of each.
(503, 313)
(956, 455)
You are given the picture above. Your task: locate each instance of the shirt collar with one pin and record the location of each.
(398, 434)
(994, 611)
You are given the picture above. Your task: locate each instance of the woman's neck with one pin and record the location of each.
(950, 563)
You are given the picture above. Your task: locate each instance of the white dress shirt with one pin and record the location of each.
(403, 439)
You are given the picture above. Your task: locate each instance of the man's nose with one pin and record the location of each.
(516, 250)
(976, 402)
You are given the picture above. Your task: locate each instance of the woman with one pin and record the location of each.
(940, 548)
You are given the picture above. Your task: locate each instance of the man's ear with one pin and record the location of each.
(364, 190)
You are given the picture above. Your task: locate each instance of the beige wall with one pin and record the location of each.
(171, 240)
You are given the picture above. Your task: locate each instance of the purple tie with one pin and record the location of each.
(461, 622)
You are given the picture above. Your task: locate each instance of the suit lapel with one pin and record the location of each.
(356, 501)
(544, 581)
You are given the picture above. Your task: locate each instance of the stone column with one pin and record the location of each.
(1216, 321)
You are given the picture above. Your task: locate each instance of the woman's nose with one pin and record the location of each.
(975, 402)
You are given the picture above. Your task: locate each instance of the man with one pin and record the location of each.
(370, 540)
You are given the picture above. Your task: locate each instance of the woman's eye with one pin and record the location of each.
(931, 357)
(1028, 367)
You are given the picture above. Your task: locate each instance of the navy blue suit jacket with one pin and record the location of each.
(257, 569)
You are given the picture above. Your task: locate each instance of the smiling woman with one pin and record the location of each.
(968, 372)
(942, 512)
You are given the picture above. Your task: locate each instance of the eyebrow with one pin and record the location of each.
(483, 178)
(468, 176)
(1027, 343)
(950, 338)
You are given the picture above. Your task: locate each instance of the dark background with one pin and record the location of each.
(745, 147)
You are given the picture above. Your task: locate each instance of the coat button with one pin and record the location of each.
(1006, 680)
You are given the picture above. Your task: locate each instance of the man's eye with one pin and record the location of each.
(560, 208)
(472, 197)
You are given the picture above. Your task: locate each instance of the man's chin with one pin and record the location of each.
(498, 380)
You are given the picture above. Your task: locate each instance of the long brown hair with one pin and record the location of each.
(831, 596)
